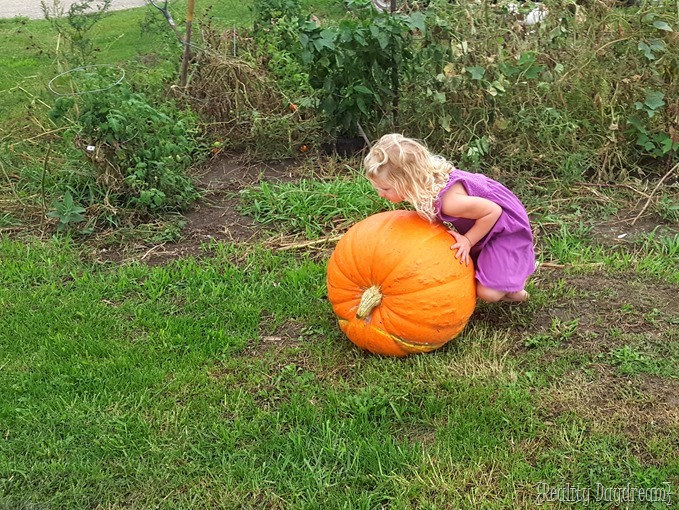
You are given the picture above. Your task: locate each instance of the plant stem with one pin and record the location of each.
(42, 186)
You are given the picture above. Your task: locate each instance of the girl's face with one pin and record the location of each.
(386, 190)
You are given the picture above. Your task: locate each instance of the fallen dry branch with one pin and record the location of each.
(283, 246)
(552, 265)
(650, 197)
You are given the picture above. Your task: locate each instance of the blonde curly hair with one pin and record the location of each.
(408, 166)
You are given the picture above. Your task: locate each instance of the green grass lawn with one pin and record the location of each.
(224, 382)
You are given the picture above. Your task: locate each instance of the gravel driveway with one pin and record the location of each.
(32, 10)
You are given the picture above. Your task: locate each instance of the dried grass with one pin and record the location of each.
(228, 84)
(242, 102)
(610, 401)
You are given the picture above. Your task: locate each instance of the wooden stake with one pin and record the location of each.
(187, 44)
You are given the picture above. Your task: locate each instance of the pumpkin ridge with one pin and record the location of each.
(388, 320)
(391, 218)
(348, 267)
(413, 252)
(419, 346)
(423, 347)
(358, 252)
(411, 292)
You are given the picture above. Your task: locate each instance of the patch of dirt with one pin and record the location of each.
(587, 317)
(215, 216)
(590, 316)
(621, 232)
(592, 312)
(602, 300)
(639, 407)
(285, 337)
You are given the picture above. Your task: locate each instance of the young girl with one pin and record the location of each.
(491, 224)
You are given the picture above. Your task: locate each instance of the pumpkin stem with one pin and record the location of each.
(369, 300)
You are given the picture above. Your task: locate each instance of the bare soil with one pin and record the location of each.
(215, 216)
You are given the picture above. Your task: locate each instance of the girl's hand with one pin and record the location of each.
(462, 245)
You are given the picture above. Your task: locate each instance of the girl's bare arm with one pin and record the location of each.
(484, 211)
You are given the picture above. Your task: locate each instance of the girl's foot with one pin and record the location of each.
(516, 297)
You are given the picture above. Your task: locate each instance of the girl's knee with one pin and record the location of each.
(488, 295)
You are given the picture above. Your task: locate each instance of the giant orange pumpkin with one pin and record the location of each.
(396, 286)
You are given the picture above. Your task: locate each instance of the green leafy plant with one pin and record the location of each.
(628, 359)
(276, 28)
(656, 131)
(311, 207)
(355, 66)
(651, 48)
(656, 142)
(668, 209)
(569, 244)
(67, 212)
(268, 12)
(140, 150)
(559, 331)
(477, 149)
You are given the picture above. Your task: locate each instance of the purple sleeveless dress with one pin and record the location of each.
(505, 257)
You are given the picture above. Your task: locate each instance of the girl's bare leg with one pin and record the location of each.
(519, 296)
(493, 296)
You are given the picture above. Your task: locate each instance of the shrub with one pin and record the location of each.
(355, 67)
(247, 104)
(138, 152)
